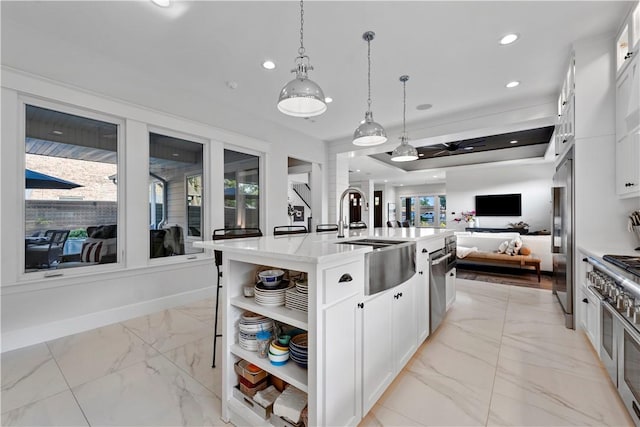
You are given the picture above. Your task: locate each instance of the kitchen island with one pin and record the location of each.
(357, 343)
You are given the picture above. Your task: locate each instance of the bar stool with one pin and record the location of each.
(289, 229)
(222, 234)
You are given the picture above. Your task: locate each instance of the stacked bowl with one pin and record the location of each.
(299, 349)
(271, 277)
(249, 325)
(278, 353)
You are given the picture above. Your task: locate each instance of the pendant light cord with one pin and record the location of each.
(301, 49)
(404, 109)
(369, 74)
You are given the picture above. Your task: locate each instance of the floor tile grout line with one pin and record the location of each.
(75, 398)
(495, 374)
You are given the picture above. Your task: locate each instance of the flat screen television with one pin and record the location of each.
(499, 205)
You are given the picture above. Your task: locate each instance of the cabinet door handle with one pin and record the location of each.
(395, 296)
(345, 278)
(400, 295)
(421, 272)
(424, 250)
(360, 305)
(451, 274)
(586, 301)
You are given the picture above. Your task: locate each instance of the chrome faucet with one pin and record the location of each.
(344, 194)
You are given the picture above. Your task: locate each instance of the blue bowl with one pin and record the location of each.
(279, 363)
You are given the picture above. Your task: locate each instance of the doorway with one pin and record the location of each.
(377, 208)
(355, 207)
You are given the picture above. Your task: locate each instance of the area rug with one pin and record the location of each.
(505, 276)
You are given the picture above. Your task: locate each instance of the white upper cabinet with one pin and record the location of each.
(565, 127)
(627, 39)
(628, 107)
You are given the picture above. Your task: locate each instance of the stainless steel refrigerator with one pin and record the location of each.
(562, 242)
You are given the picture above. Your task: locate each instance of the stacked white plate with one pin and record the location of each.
(302, 286)
(296, 300)
(249, 325)
(270, 296)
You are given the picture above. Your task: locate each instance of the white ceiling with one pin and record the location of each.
(179, 59)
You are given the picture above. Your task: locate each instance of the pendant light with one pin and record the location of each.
(302, 97)
(404, 152)
(369, 133)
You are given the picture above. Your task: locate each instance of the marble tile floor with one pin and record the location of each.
(501, 357)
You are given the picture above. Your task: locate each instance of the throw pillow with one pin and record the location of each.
(514, 246)
(525, 251)
(91, 252)
(503, 247)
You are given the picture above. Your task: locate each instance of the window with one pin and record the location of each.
(241, 190)
(175, 195)
(424, 211)
(71, 192)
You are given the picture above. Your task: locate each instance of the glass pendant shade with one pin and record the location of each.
(369, 133)
(302, 97)
(404, 152)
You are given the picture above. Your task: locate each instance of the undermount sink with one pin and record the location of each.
(390, 264)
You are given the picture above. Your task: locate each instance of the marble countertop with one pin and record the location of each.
(319, 247)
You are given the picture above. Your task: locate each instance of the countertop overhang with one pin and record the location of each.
(319, 247)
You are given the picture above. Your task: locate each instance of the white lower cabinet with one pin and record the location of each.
(342, 398)
(592, 318)
(389, 332)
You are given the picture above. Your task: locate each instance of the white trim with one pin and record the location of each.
(46, 332)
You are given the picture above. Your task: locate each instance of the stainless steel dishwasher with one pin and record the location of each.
(438, 267)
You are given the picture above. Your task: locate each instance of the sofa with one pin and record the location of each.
(486, 247)
(101, 247)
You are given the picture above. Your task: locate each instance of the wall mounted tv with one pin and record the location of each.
(499, 205)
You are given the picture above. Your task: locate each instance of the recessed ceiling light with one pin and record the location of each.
(401, 185)
(435, 176)
(508, 39)
(175, 154)
(162, 3)
(56, 132)
(328, 100)
(268, 65)
(357, 170)
(232, 85)
(386, 180)
(422, 107)
(515, 141)
(468, 148)
(513, 84)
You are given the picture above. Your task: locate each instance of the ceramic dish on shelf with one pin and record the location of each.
(271, 277)
(279, 358)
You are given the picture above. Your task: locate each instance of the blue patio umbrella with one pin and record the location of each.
(39, 180)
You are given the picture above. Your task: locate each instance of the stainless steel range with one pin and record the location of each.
(619, 329)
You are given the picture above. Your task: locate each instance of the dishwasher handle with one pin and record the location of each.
(441, 259)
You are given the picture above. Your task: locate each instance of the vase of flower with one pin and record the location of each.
(471, 224)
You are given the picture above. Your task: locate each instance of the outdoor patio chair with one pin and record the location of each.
(48, 253)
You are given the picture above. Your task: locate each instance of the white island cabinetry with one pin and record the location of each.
(349, 362)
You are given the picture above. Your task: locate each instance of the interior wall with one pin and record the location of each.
(533, 181)
(38, 308)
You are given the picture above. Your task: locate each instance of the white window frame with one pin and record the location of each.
(261, 175)
(206, 177)
(23, 101)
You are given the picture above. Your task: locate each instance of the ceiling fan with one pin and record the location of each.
(451, 147)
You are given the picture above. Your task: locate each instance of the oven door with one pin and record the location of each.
(608, 345)
(629, 372)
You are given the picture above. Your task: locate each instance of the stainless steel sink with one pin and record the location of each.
(390, 264)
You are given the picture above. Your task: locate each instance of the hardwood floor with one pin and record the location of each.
(505, 276)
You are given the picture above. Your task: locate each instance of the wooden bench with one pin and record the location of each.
(504, 259)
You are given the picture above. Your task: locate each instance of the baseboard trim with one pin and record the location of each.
(12, 340)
